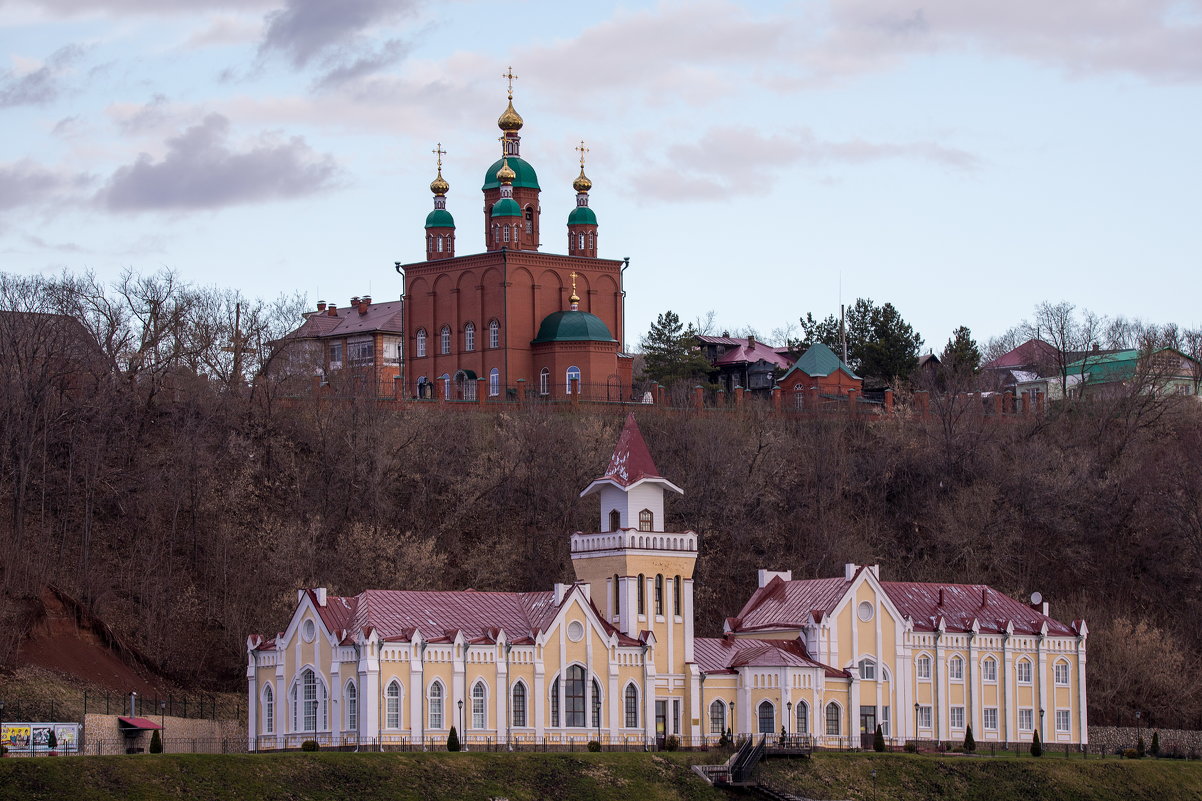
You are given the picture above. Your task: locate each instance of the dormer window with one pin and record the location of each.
(646, 520)
(615, 520)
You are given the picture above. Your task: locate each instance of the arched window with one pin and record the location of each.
(767, 716)
(1060, 673)
(439, 244)
(555, 702)
(833, 716)
(718, 717)
(544, 381)
(308, 702)
(469, 336)
(803, 718)
(518, 710)
(506, 234)
(479, 706)
(494, 382)
(421, 342)
(677, 609)
(529, 220)
(1022, 671)
(494, 334)
(445, 339)
(632, 707)
(268, 710)
(867, 670)
(923, 667)
(572, 374)
(573, 697)
(580, 242)
(434, 705)
(615, 520)
(659, 593)
(955, 669)
(617, 597)
(646, 520)
(642, 593)
(392, 705)
(989, 669)
(351, 696)
(595, 719)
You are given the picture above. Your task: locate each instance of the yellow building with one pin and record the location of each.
(613, 656)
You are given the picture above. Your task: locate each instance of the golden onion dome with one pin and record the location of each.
(506, 174)
(510, 120)
(439, 186)
(582, 183)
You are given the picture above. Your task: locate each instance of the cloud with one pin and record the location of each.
(732, 160)
(201, 171)
(26, 183)
(352, 68)
(130, 8)
(40, 85)
(308, 30)
(224, 30)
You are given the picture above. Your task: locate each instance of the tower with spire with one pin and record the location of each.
(511, 178)
(582, 222)
(440, 225)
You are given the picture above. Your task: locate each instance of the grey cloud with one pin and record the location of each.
(201, 171)
(305, 30)
(26, 183)
(348, 67)
(157, 8)
(149, 115)
(41, 85)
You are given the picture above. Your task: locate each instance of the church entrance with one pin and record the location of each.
(867, 725)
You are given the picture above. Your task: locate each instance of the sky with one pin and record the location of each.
(961, 160)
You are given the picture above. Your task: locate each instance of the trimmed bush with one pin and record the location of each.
(1036, 746)
(970, 743)
(1131, 753)
(911, 747)
(878, 740)
(310, 745)
(1141, 748)
(156, 742)
(671, 742)
(1155, 743)
(453, 740)
(594, 746)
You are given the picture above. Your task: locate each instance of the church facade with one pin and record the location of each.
(514, 319)
(613, 656)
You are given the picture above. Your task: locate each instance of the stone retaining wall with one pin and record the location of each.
(101, 735)
(1172, 741)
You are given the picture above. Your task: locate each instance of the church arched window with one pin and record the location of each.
(573, 374)
(445, 339)
(632, 706)
(615, 520)
(494, 382)
(494, 334)
(434, 705)
(676, 607)
(518, 710)
(767, 717)
(642, 594)
(392, 705)
(659, 593)
(268, 709)
(479, 706)
(506, 234)
(421, 342)
(352, 706)
(544, 381)
(580, 242)
(529, 220)
(469, 336)
(646, 520)
(439, 242)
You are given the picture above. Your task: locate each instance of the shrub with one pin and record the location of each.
(1036, 746)
(725, 740)
(1155, 743)
(671, 742)
(1140, 747)
(1131, 753)
(156, 742)
(594, 746)
(310, 745)
(453, 740)
(970, 743)
(911, 747)
(878, 740)
(52, 741)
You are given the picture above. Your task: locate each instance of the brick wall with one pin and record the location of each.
(1172, 741)
(101, 735)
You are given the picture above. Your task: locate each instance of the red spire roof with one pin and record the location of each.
(631, 461)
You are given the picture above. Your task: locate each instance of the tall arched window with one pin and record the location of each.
(308, 702)
(718, 717)
(642, 593)
(392, 705)
(677, 608)
(469, 336)
(529, 220)
(573, 697)
(617, 597)
(544, 381)
(632, 707)
(439, 244)
(494, 382)
(268, 710)
(580, 242)
(434, 705)
(506, 233)
(659, 593)
(352, 706)
(955, 669)
(615, 520)
(444, 337)
(767, 716)
(572, 374)
(518, 710)
(421, 342)
(989, 669)
(555, 702)
(646, 520)
(595, 718)
(803, 718)
(494, 334)
(479, 706)
(833, 716)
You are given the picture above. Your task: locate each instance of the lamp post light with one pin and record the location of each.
(1043, 735)
(873, 784)
(597, 715)
(1139, 724)
(163, 722)
(732, 722)
(462, 729)
(788, 715)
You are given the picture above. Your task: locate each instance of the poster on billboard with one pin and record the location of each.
(36, 736)
(67, 735)
(15, 736)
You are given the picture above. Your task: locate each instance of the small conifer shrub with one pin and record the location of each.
(453, 740)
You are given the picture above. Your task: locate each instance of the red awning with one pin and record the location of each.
(137, 723)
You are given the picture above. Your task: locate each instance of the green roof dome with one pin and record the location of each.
(582, 215)
(525, 174)
(573, 326)
(506, 207)
(440, 218)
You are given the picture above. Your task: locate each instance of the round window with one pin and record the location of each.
(308, 631)
(575, 631)
(865, 611)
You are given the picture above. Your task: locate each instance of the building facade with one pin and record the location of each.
(613, 656)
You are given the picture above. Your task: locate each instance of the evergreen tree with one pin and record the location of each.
(961, 354)
(453, 740)
(970, 743)
(1155, 743)
(881, 346)
(878, 740)
(52, 741)
(156, 743)
(670, 352)
(1141, 748)
(1036, 746)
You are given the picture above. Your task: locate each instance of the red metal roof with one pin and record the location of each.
(631, 461)
(379, 317)
(721, 655)
(739, 350)
(137, 723)
(785, 604)
(1031, 352)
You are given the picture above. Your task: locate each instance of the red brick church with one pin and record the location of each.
(513, 319)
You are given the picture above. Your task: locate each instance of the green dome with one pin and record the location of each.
(573, 326)
(582, 215)
(440, 218)
(525, 174)
(507, 207)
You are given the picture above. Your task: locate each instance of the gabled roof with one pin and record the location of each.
(383, 317)
(1031, 353)
(789, 604)
(819, 360)
(631, 462)
(747, 350)
(1103, 367)
(726, 654)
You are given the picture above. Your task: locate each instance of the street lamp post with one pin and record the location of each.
(1139, 724)
(732, 722)
(462, 729)
(874, 784)
(1043, 735)
(163, 723)
(788, 715)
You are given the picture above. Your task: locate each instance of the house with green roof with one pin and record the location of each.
(819, 372)
(1161, 371)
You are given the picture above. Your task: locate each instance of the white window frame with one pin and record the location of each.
(955, 669)
(494, 382)
(469, 337)
(718, 717)
(436, 714)
(759, 717)
(494, 334)
(989, 670)
(268, 709)
(1026, 719)
(421, 342)
(837, 720)
(630, 706)
(515, 708)
(480, 705)
(1060, 671)
(987, 713)
(444, 339)
(925, 717)
(953, 713)
(392, 705)
(544, 381)
(802, 723)
(391, 348)
(351, 694)
(867, 669)
(1021, 667)
(1064, 721)
(922, 667)
(569, 374)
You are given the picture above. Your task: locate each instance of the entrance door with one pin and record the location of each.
(867, 725)
(661, 722)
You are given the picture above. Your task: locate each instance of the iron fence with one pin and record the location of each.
(176, 706)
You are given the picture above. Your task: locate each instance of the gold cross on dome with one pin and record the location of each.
(511, 78)
(573, 277)
(582, 149)
(438, 151)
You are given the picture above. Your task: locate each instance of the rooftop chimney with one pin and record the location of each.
(321, 305)
(941, 596)
(849, 570)
(751, 341)
(355, 300)
(363, 304)
(332, 310)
